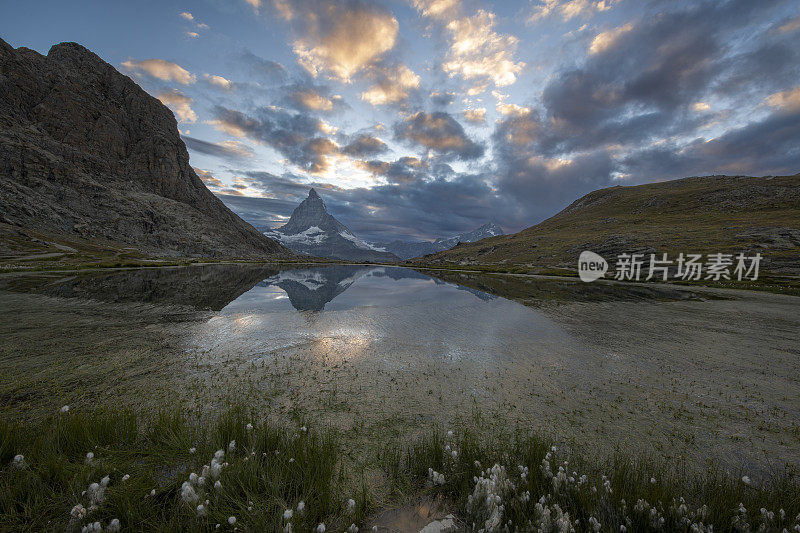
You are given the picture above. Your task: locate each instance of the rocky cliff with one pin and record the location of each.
(87, 155)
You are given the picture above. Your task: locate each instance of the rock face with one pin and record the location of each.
(407, 250)
(311, 230)
(86, 154)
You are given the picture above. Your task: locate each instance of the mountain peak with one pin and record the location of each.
(313, 193)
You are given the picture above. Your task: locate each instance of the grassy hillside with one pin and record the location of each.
(692, 215)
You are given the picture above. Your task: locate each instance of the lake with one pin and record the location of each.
(386, 352)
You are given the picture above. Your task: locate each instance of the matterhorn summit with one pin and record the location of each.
(311, 230)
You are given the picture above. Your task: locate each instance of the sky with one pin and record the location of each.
(417, 119)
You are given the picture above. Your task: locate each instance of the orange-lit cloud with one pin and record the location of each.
(339, 39)
(161, 69)
(180, 104)
(605, 40)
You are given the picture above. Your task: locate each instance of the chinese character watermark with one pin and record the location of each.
(685, 267)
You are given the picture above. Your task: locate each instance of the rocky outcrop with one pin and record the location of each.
(311, 230)
(86, 153)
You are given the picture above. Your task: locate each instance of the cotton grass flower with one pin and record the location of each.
(105, 481)
(89, 457)
(232, 446)
(126, 477)
(153, 492)
(192, 450)
(746, 480)
(301, 506)
(114, 526)
(249, 426)
(19, 461)
(321, 528)
(217, 485)
(64, 409)
(231, 520)
(79, 511)
(287, 514)
(201, 510)
(188, 494)
(351, 505)
(352, 529)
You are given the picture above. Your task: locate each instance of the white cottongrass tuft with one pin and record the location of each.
(351, 505)
(301, 506)
(201, 510)
(352, 529)
(653, 480)
(188, 494)
(153, 492)
(303, 429)
(219, 454)
(287, 514)
(79, 511)
(126, 477)
(89, 457)
(746, 480)
(65, 408)
(435, 477)
(249, 426)
(192, 449)
(231, 520)
(321, 528)
(19, 461)
(217, 485)
(105, 481)
(450, 434)
(231, 445)
(193, 478)
(114, 526)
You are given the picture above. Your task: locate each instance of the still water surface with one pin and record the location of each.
(382, 352)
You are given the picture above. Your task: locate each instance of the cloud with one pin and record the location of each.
(192, 34)
(180, 104)
(255, 4)
(365, 145)
(605, 40)
(186, 16)
(512, 110)
(339, 38)
(439, 132)
(790, 26)
(788, 101)
(437, 9)
(218, 81)
(296, 136)
(233, 150)
(568, 9)
(208, 179)
(161, 69)
(263, 69)
(406, 170)
(393, 86)
(310, 98)
(475, 116)
(442, 99)
(701, 107)
(479, 53)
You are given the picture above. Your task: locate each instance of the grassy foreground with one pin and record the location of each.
(112, 470)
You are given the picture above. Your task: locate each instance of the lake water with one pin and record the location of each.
(383, 352)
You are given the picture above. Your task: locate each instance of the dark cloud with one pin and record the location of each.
(405, 170)
(227, 150)
(442, 99)
(364, 145)
(295, 135)
(440, 133)
(261, 69)
(313, 98)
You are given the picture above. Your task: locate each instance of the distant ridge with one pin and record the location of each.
(410, 249)
(711, 214)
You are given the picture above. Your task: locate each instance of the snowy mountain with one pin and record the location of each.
(407, 250)
(311, 230)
